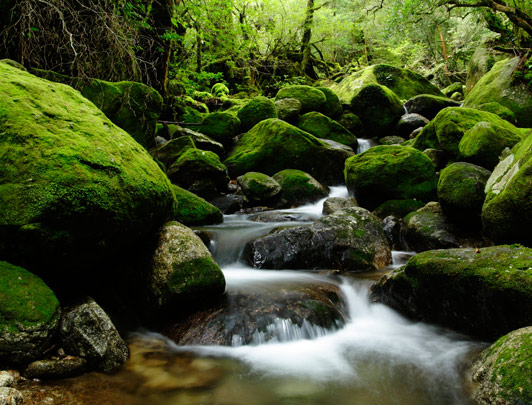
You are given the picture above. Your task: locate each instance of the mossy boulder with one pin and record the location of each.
(201, 141)
(403, 82)
(311, 98)
(321, 126)
(392, 140)
(299, 187)
(199, 171)
(481, 63)
(274, 145)
(332, 107)
(29, 315)
(194, 210)
(500, 85)
(500, 110)
(170, 151)
(221, 126)
(507, 209)
(259, 187)
(456, 87)
(484, 143)
(461, 190)
(428, 105)
(288, 109)
(75, 190)
(183, 274)
(446, 130)
(397, 208)
(349, 240)
(480, 292)
(503, 371)
(219, 90)
(392, 172)
(378, 108)
(256, 110)
(352, 123)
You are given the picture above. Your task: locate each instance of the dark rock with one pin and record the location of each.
(274, 216)
(299, 187)
(438, 157)
(259, 188)
(395, 230)
(332, 107)
(229, 203)
(391, 140)
(408, 123)
(87, 332)
(334, 204)
(352, 122)
(428, 106)
(397, 208)
(68, 366)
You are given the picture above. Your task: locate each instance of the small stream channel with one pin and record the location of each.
(376, 357)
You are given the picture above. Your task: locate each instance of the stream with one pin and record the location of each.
(375, 357)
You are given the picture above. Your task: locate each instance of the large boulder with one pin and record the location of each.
(256, 110)
(75, 190)
(169, 152)
(428, 105)
(390, 172)
(311, 98)
(461, 190)
(183, 272)
(348, 240)
(259, 188)
(500, 110)
(288, 109)
(194, 210)
(332, 107)
(201, 141)
(321, 126)
(481, 63)
(403, 82)
(87, 332)
(503, 371)
(29, 315)
(507, 209)
(299, 187)
(221, 126)
(482, 292)
(397, 208)
(409, 123)
(446, 130)
(274, 145)
(484, 143)
(501, 85)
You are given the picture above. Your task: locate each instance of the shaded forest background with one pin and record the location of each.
(182, 47)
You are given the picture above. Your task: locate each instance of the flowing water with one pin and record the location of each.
(377, 357)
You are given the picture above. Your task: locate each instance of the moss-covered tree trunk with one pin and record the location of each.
(307, 34)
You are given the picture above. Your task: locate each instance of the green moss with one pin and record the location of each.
(500, 110)
(194, 210)
(398, 208)
(258, 187)
(195, 276)
(219, 90)
(192, 116)
(169, 152)
(322, 126)
(311, 98)
(332, 107)
(453, 88)
(25, 301)
(220, 126)
(72, 184)
(390, 172)
(258, 109)
(447, 129)
(299, 187)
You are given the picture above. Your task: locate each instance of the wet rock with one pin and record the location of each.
(68, 366)
(258, 109)
(10, 396)
(311, 98)
(6, 379)
(395, 230)
(255, 315)
(299, 187)
(229, 203)
(221, 127)
(392, 140)
(276, 217)
(503, 371)
(476, 291)
(334, 204)
(194, 210)
(322, 126)
(408, 123)
(428, 106)
(87, 332)
(259, 188)
(348, 240)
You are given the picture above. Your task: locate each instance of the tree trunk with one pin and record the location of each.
(307, 34)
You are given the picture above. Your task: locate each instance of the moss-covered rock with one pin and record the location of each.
(428, 105)
(288, 109)
(392, 140)
(500, 85)
(221, 126)
(351, 240)
(378, 108)
(484, 143)
(503, 372)
(259, 187)
(481, 63)
(352, 123)
(199, 171)
(438, 157)
(446, 130)
(311, 98)
(183, 272)
(461, 190)
(201, 141)
(256, 110)
(219, 90)
(194, 210)
(480, 292)
(170, 151)
(321, 126)
(299, 187)
(507, 209)
(397, 208)
(403, 82)
(29, 315)
(500, 110)
(74, 188)
(274, 145)
(456, 87)
(332, 107)
(387, 173)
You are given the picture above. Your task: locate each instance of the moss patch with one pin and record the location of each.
(322, 126)
(258, 109)
(311, 98)
(300, 187)
(194, 210)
